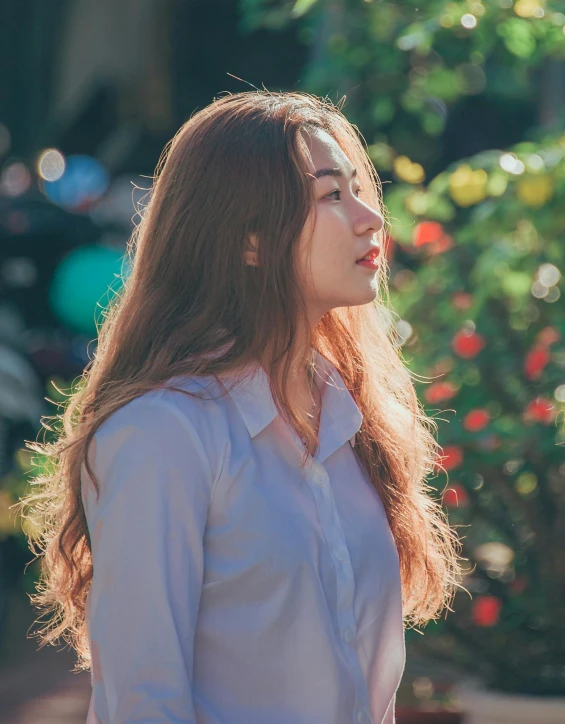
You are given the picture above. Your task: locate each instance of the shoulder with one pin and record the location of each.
(183, 419)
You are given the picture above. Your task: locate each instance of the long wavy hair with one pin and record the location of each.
(190, 305)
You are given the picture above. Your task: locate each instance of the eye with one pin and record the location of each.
(337, 191)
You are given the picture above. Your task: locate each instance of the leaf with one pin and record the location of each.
(301, 7)
(518, 38)
(516, 284)
(440, 208)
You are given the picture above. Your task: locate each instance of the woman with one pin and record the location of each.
(251, 529)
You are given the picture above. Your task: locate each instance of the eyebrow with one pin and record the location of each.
(333, 172)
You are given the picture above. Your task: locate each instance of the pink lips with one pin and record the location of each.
(369, 263)
(372, 261)
(372, 253)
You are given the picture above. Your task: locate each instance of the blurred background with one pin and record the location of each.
(461, 105)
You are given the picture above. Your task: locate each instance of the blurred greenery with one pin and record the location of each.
(476, 242)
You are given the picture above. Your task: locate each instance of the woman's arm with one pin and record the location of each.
(147, 531)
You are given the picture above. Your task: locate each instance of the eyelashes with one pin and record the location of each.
(338, 191)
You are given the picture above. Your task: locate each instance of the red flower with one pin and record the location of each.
(540, 410)
(476, 419)
(427, 232)
(535, 362)
(548, 336)
(461, 300)
(440, 391)
(486, 610)
(467, 344)
(451, 458)
(455, 496)
(441, 245)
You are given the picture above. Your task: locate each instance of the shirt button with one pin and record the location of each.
(363, 716)
(318, 477)
(349, 635)
(339, 554)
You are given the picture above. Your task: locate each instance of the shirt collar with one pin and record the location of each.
(340, 419)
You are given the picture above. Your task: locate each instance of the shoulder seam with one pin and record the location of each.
(187, 423)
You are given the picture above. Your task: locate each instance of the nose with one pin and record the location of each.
(368, 219)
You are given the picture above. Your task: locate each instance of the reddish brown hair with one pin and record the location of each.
(239, 167)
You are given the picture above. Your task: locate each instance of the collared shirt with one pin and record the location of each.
(229, 585)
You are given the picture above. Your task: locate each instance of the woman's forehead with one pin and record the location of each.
(325, 152)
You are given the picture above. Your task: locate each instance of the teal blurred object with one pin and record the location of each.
(84, 283)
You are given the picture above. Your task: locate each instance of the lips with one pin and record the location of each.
(371, 254)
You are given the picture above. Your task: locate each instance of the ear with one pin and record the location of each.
(251, 250)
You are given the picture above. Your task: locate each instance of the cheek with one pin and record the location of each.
(329, 256)
(329, 272)
(330, 243)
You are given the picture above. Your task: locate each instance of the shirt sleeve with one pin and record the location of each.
(146, 530)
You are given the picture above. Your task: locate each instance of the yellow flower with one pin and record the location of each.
(534, 190)
(528, 8)
(409, 171)
(468, 187)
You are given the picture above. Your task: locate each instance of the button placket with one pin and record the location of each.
(319, 480)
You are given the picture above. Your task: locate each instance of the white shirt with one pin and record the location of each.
(230, 586)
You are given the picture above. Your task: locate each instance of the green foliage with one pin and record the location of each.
(477, 280)
(301, 7)
(494, 265)
(411, 63)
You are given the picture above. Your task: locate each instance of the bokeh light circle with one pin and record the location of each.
(84, 283)
(51, 165)
(469, 21)
(84, 181)
(16, 179)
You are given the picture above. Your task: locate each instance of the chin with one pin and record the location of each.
(358, 299)
(368, 298)
(369, 294)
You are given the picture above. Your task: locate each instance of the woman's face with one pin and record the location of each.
(345, 229)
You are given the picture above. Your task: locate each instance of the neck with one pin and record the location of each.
(300, 381)
(300, 366)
